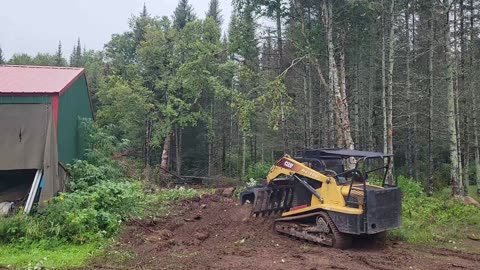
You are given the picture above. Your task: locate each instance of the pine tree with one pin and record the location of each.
(144, 13)
(72, 56)
(76, 56)
(78, 53)
(139, 25)
(214, 12)
(59, 61)
(183, 14)
(2, 60)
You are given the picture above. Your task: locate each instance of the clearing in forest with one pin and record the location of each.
(215, 232)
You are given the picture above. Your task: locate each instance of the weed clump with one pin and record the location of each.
(432, 219)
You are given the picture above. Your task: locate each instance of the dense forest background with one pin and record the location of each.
(398, 76)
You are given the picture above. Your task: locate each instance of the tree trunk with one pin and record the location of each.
(306, 132)
(148, 135)
(244, 154)
(457, 90)
(430, 102)
(462, 89)
(310, 105)
(210, 136)
(356, 106)
(384, 93)
(165, 154)
(454, 168)
(409, 151)
(474, 100)
(415, 162)
(178, 149)
(338, 86)
(278, 16)
(371, 87)
(391, 48)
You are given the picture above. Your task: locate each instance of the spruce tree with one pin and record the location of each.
(144, 13)
(59, 61)
(2, 60)
(139, 25)
(183, 14)
(72, 56)
(76, 56)
(78, 53)
(214, 11)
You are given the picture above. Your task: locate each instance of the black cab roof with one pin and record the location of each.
(339, 153)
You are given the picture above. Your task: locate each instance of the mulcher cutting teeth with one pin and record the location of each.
(272, 200)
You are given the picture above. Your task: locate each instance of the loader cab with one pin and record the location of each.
(334, 162)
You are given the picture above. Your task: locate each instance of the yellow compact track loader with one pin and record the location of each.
(317, 199)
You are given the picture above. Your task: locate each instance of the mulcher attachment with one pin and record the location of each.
(272, 200)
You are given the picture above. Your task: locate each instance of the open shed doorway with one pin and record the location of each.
(15, 187)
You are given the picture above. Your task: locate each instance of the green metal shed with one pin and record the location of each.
(40, 108)
(64, 88)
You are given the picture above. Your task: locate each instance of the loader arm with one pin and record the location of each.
(328, 195)
(288, 166)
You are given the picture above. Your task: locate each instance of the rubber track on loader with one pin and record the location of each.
(287, 225)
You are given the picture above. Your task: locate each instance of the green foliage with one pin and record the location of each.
(125, 108)
(76, 58)
(430, 219)
(78, 217)
(183, 14)
(214, 11)
(167, 196)
(20, 59)
(2, 59)
(98, 165)
(281, 104)
(59, 60)
(121, 52)
(95, 71)
(257, 171)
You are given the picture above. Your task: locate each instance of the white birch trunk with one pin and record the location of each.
(391, 48)
(430, 103)
(384, 94)
(454, 169)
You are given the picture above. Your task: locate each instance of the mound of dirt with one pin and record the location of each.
(215, 232)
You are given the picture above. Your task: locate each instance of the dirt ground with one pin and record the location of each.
(215, 232)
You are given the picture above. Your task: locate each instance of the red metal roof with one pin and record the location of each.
(36, 79)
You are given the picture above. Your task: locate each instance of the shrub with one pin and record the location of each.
(78, 217)
(98, 164)
(257, 171)
(428, 219)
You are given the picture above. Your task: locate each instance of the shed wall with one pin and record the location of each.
(74, 103)
(25, 99)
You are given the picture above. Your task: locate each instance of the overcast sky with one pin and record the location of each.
(32, 26)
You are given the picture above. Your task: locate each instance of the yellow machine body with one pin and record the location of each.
(332, 196)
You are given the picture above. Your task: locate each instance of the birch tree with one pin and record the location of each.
(451, 97)
(336, 82)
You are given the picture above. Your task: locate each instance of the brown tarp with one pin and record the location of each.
(28, 141)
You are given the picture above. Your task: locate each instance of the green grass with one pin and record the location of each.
(49, 253)
(472, 192)
(434, 220)
(17, 256)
